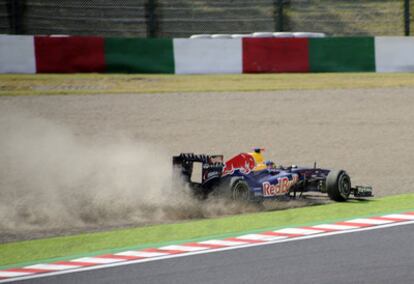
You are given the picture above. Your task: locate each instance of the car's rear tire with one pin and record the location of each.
(338, 185)
(240, 191)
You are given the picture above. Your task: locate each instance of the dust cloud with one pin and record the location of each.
(56, 182)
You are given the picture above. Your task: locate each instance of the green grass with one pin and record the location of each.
(17, 254)
(54, 84)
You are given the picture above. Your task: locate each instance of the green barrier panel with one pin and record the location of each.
(347, 54)
(137, 55)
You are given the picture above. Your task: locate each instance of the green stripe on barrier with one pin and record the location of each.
(342, 54)
(138, 55)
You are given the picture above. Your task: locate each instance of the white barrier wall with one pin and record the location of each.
(394, 54)
(203, 56)
(17, 54)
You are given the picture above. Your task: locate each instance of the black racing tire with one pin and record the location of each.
(240, 191)
(338, 185)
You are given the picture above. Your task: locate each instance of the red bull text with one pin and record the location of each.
(281, 188)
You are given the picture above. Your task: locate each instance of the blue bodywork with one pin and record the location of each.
(280, 182)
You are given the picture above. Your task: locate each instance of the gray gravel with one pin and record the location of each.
(368, 132)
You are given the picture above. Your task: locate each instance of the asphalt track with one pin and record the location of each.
(384, 255)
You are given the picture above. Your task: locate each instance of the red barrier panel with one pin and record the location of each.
(270, 55)
(69, 54)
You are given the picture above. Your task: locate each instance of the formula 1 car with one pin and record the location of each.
(247, 177)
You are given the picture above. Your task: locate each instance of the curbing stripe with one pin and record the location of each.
(356, 225)
(320, 229)
(405, 216)
(335, 227)
(97, 260)
(388, 218)
(142, 254)
(224, 243)
(52, 267)
(123, 257)
(286, 235)
(11, 273)
(259, 237)
(299, 231)
(247, 240)
(370, 221)
(250, 241)
(81, 264)
(209, 246)
(183, 248)
(165, 251)
(27, 270)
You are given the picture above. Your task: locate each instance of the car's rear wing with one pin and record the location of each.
(203, 170)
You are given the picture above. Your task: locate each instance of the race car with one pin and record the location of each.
(248, 177)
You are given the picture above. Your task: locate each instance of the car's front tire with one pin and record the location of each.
(338, 185)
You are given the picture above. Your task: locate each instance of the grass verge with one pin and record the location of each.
(61, 84)
(27, 252)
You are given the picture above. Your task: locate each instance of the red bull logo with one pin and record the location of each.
(243, 162)
(282, 187)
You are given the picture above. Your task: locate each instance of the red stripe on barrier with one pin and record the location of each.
(270, 55)
(72, 54)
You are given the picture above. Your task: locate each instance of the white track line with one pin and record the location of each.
(234, 247)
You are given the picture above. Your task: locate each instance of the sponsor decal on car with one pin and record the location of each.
(243, 162)
(281, 187)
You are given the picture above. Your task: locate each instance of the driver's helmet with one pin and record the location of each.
(258, 159)
(270, 165)
(258, 156)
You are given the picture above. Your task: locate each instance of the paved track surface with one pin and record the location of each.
(377, 256)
